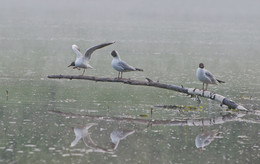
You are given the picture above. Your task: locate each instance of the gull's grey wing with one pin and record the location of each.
(92, 49)
(211, 77)
(124, 66)
(76, 49)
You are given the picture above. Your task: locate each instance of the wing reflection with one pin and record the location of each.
(82, 132)
(205, 138)
(119, 134)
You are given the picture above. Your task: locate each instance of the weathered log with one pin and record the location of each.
(190, 91)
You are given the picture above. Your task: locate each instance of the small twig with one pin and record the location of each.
(6, 93)
(149, 80)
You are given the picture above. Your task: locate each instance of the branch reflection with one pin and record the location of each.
(172, 122)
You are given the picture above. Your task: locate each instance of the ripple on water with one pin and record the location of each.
(73, 154)
(36, 149)
(52, 148)
(10, 135)
(29, 145)
(9, 150)
(65, 155)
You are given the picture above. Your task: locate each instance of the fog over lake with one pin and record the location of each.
(46, 120)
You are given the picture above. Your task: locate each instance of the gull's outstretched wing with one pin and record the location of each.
(92, 49)
(76, 49)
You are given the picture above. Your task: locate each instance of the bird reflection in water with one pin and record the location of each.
(119, 134)
(205, 138)
(82, 132)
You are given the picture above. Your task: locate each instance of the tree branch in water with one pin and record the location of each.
(190, 91)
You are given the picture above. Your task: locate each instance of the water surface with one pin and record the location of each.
(168, 40)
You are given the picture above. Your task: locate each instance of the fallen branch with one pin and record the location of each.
(190, 91)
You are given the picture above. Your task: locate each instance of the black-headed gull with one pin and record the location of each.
(206, 77)
(83, 61)
(120, 65)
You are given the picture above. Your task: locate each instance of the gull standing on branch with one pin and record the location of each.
(206, 77)
(120, 65)
(83, 61)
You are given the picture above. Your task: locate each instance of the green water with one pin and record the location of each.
(168, 40)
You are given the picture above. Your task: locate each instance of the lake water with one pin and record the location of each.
(168, 39)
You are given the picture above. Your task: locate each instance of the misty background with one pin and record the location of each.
(166, 38)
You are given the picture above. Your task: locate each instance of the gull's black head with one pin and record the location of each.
(72, 64)
(114, 53)
(201, 65)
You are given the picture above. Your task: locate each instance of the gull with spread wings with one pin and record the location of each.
(82, 61)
